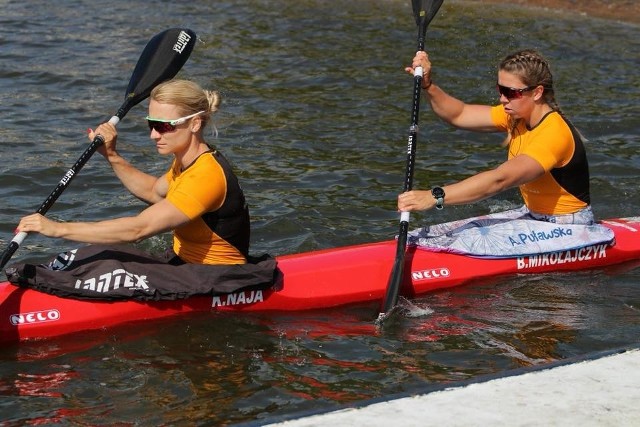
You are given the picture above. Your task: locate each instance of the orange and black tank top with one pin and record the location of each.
(208, 192)
(557, 146)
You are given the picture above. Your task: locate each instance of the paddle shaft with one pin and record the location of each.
(395, 279)
(397, 272)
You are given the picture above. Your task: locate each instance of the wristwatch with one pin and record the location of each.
(438, 194)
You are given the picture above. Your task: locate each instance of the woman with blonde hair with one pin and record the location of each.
(198, 198)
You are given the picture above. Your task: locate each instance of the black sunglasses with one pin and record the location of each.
(513, 93)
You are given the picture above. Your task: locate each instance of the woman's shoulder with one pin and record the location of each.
(206, 165)
(499, 116)
(553, 121)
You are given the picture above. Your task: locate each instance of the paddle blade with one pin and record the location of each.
(425, 10)
(161, 59)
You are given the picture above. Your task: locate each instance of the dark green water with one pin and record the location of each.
(315, 113)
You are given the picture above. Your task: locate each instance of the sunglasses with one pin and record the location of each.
(513, 93)
(163, 126)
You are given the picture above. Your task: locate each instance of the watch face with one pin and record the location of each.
(437, 192)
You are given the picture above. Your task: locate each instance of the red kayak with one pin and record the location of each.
(312, 280)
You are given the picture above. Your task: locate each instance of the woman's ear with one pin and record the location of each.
(196, 124)
(538, 93)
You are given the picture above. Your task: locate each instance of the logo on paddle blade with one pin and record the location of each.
(183, 41)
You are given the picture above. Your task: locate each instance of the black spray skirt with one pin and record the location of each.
(101, 272)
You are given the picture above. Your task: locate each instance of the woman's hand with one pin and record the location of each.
(421, 60)
(38, 224)
(110, 136)
(415, 200)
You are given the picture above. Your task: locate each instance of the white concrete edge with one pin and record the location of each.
(602, 389)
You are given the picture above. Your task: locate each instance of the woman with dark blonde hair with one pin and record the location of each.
(546, 156)
(199, 198)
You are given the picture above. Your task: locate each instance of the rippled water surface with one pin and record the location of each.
(315, 114)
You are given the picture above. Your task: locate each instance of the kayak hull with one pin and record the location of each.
(312, 280)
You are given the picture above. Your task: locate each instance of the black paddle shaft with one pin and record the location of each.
(424, 11)
(162, 58)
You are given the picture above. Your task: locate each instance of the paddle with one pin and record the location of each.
(162, 58)
(424, 11)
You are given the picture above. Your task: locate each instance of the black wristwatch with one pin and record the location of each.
(438, 194)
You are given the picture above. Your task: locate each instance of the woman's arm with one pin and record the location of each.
(142, 185)
(157, 218)
(512, 173)
(459, 114)
(146, 187)
(450, 109)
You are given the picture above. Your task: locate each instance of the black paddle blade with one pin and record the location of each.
(425, 10)
(161, 59)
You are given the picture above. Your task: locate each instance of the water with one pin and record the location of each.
(315, 112)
